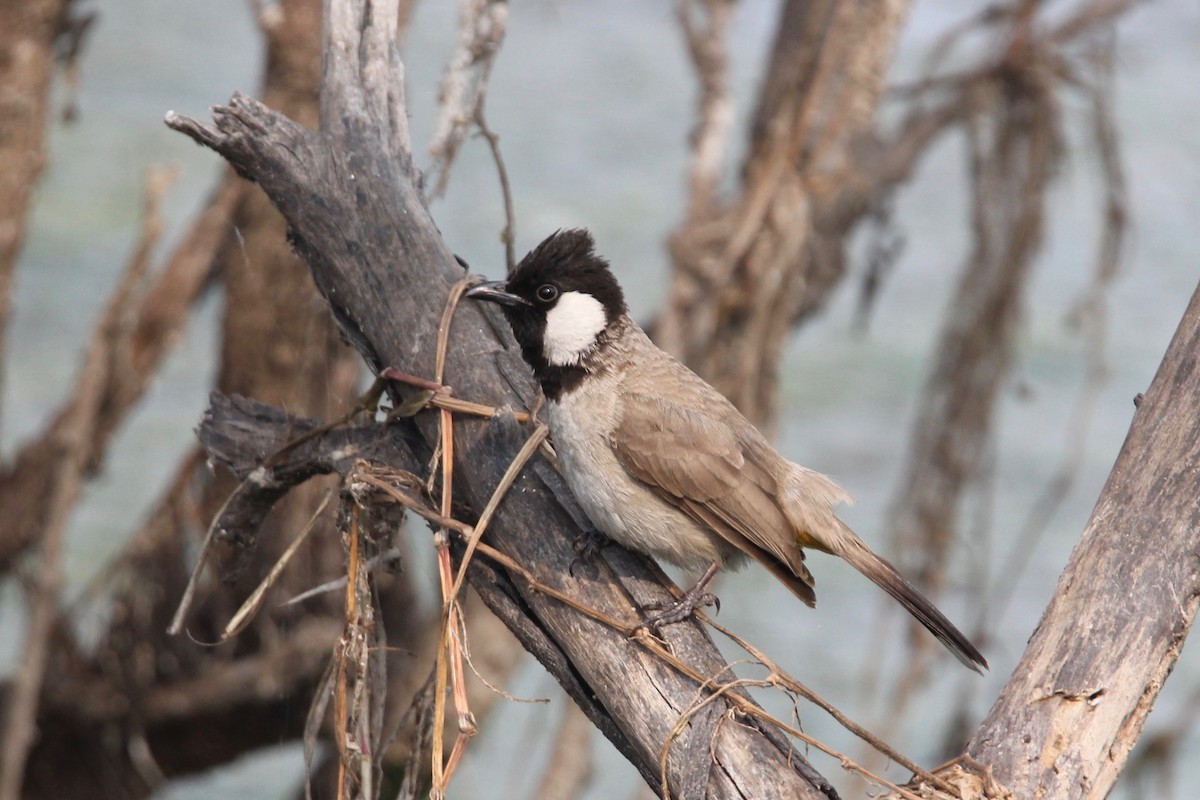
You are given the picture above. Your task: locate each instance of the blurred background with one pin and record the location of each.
(594, 104)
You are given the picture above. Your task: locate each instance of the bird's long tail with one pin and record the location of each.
(810, 500)
(885, 576)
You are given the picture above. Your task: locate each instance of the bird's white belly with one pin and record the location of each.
(618, 504)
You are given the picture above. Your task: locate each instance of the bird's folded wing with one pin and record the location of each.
(702, 466)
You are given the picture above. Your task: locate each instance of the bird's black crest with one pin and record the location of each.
(568, 260)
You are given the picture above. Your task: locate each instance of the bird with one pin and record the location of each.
(658, 459)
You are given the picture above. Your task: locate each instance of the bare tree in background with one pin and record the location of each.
(141, 707)
(278, 343)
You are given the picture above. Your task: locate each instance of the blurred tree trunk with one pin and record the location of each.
(29, 32)
(747, 269)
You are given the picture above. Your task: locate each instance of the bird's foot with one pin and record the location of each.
(587, 546)
(670, 613)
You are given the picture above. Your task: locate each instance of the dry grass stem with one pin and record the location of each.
(450, 660)
(492, 687)
(359, 682)
(189, 592)
(782, 678)
(540, 432)
(438, 396)
(509, 234)
(750, 709)
(237, 623)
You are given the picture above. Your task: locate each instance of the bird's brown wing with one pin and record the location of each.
(703, 467)
(727, 478)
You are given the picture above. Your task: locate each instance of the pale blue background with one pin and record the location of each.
(593, 102)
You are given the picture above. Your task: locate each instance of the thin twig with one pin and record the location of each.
(708, 47)
(254, 602)
(509, 234)
(510, 475)
(189, 592)
(20, 720)
(388, 481)
(312, 723)
(439, 396)
(704, 696)
(493, 687)
(450, 641)
(749, 708)
(791, 684)
(1090, 317)
(387, 557)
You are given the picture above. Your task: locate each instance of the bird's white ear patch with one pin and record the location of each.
(572, 327)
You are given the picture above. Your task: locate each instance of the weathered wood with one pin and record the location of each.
(1076, 703)
(355, 213)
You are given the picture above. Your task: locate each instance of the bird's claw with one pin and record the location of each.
(587, 546)
(675, 611)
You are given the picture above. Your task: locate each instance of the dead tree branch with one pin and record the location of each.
(1015, 132)
(707, 46)
(1015, 141)
(68, 451)
(481, 28)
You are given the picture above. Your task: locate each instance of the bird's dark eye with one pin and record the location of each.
(547, 293)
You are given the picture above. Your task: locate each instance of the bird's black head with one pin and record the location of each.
(561, 302)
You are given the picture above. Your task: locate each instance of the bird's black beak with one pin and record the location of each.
(494, 292)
